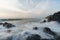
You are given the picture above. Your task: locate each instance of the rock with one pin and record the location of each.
(35, 28)
(34, 37)
(9, 38)
(54, 17)
(47, 39)
(8, 25)
(44, 21)
(9, 31)
(58, 38)
(1, 23)
(50, 18)
(48, 30)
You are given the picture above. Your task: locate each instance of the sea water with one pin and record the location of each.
(22, 25)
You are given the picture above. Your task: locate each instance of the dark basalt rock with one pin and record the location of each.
(35, 28)
(8, 25)
(50, 18)
(44, 21)
(1, 23)
(9, 31)
(47, 39)
(9, 38)
(49, 31)
(58, 38)
(54, 17)
(34, 37)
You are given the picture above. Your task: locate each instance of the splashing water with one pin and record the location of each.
(21, 28)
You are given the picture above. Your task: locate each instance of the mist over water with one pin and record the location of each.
(27, 26)
(20, 26)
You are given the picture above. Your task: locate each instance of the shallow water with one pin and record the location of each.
(23, 25)
(20, 26)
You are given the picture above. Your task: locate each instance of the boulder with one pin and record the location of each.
(8, 25)
(47, 39)
(35, 28)
(54, 17)
(34, 37)
(49, 31)
(50, 18)
(58, 38)
(1, 23)
(8, 31)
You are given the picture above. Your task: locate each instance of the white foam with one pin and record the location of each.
(20, 32)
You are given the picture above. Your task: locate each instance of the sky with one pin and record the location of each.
(28, 8)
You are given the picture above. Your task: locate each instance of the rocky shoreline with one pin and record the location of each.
(40, 31)
(7, 25)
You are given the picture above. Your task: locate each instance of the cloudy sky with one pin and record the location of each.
(28, 8)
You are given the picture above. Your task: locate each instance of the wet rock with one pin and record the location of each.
(8, 25)
(47, 39)
(9, 38)
(57, 38)
(50, 18)
(34, 37)
(49, 31)
(9, 31)
(35, 28)
(1, 23)
(54, 17)
(44, 21)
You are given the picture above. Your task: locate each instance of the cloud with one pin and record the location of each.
(10, 5)
(22, 8)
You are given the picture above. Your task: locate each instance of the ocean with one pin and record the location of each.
(20, 26)
(27, 24)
